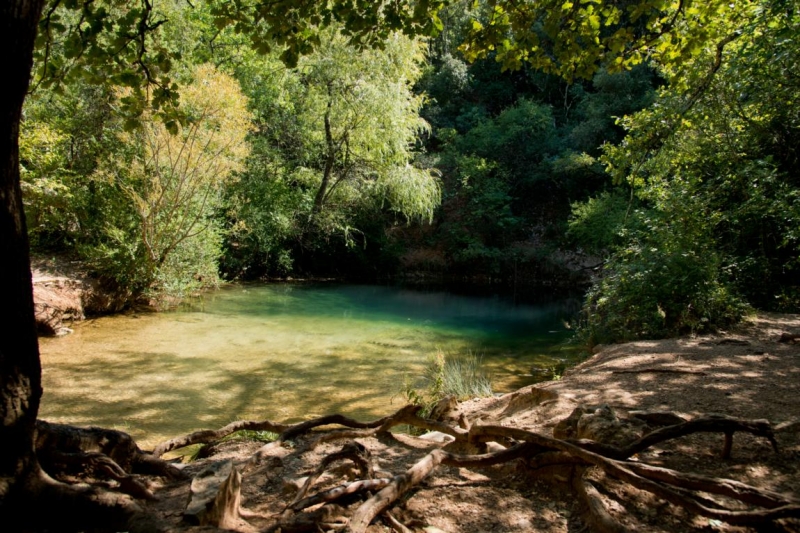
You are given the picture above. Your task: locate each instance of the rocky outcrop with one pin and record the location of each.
(57, 301)
(64, 293)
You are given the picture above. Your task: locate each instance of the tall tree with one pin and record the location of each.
(20, 371)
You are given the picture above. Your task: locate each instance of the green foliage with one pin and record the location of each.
(713, 165)
(140, 205)
(515, 150)
(111, 42)
(295, 28)
(62, 137)
(361, 120)
(174, 183)
(311, 188)
(573, 39)
(520, 139)
(127, 44)
(484, 223)
(557, 371)
(45, 183)
(335, 156)
(334, 146)
(665, 281)
(599, 224)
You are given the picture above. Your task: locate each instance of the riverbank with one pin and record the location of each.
(751, 372)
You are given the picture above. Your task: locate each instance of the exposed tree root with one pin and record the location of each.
(354, 451)
(42, 502)
(596, 516)
(334, 508)
(99, 453)
(208, 435)
(660, 371)
(395, 524)
(725, 487)
(706, 424)
(540, 451)
(336, 493)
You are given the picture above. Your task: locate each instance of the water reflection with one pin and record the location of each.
(283, 352)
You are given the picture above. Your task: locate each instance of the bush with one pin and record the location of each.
(169, 240)
(597, 225)
(661, 284)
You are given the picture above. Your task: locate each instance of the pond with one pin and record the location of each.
(286, 352)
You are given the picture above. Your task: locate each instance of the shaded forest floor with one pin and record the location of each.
(745, 373)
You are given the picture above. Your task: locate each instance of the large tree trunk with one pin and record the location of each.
(20, 370)
(25, 490)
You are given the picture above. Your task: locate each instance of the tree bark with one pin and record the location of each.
(20, 369)
(330, 158)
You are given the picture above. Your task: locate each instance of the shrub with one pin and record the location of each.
(664, 282)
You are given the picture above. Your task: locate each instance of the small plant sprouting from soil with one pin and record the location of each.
(459, 376)
(448, 375)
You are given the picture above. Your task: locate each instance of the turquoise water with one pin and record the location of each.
(285, 352)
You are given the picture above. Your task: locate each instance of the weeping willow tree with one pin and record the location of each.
(363, 120)
(336, 138)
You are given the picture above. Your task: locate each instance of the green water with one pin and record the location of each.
(284, 352)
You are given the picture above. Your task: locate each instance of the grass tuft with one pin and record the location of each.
(460, 376)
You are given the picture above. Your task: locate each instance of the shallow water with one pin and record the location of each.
(284, 352)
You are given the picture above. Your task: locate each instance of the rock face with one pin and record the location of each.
(63, 293)
(55, 301)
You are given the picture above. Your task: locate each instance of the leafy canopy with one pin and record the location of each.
(119, 41)
(572, 38)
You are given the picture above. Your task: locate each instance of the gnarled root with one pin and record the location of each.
(752, 506)
(102, 453)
